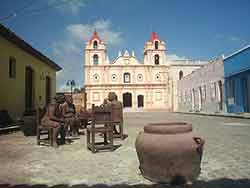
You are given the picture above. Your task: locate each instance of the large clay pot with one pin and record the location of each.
(169, 152)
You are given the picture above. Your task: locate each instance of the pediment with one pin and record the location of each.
(126, 60)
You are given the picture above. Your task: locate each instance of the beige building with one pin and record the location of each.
(150, 84)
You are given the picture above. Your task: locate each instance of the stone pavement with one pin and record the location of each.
(226, 160)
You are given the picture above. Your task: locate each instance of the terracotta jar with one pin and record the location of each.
(169, 152)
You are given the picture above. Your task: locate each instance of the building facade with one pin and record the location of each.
(78, 98)
(203, 89)
(150, 84)
(27, 77)
(237, 81)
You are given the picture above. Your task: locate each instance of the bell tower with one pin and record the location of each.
(155, 51)
(95, 51)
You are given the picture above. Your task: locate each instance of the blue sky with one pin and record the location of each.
(193, 29)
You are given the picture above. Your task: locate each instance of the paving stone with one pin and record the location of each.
(225, 162)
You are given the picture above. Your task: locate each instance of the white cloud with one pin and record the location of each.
(83, 32)
(68, 52)
(69, 6)
(175, 57)
(228, 38)
(233, 38)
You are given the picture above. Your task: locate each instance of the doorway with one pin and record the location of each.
(48, 90)
(193, 100)
(200, 99)
(140, 99)
(245, 94)
(220, 96)
(127, 99)
(29, 88)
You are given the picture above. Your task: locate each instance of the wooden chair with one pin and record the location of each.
(117, 118)
(101, 123)
(41, 130)
(84, 118)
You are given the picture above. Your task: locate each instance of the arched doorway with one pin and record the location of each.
(193, 100)
(127, 99)
(220, 95)
(200, 99)
(180, 75)
(29, 91)
(140, 100)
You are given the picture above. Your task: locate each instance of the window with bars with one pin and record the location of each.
(126, 77)
(157, 59)
(95, 59)
(12, 67)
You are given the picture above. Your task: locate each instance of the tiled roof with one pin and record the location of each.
(95, 36)
(154, 36)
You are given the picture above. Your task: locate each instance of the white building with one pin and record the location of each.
(203, 90)
(150, 84)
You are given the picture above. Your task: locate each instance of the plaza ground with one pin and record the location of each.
(226, 159)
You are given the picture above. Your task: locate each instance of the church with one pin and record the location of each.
(149, 85)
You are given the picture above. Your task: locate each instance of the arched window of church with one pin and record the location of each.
(95, 59)
(95, 45)
(156, 45)
(126, 77)
(157, 59)
(180, 75)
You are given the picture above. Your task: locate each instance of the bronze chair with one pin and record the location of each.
(117, 118)
(101, 123)
(41, 130)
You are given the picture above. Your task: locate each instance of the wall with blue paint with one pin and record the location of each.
(236, 68)
(238, 106)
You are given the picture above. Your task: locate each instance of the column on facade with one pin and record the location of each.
(121, 76)
(146, 100)
(119, 93)
(134, 76)
(148, 74)
(88, 91)
(134, 98)
(106, 71)
(88, 73)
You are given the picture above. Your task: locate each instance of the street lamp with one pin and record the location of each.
(71, 83)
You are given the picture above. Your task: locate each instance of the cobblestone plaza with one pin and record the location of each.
(226, 158)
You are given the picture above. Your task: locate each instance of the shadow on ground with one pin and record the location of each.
(217, 183)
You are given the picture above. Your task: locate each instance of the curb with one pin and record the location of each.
(9, 129)
(218, 115)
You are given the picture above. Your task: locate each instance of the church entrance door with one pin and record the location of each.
(127, 99)
(140, 101)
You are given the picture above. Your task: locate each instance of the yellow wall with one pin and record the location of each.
(12, 91)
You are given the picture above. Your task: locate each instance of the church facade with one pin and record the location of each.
(150, 84)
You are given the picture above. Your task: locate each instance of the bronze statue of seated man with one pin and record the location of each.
(69, 114)
(52, 119)
(112, 102)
